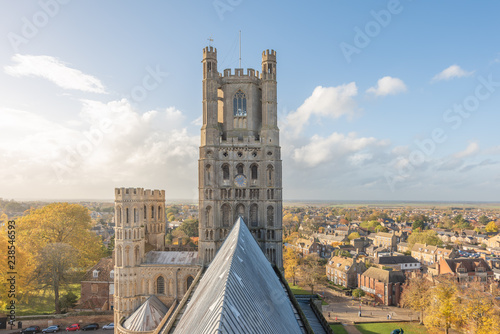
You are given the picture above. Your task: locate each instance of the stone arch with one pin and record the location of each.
(119, 216)
(160, 285)
(254, 215)
(254, 172)
(240, 168)
(270, 215)
(240, 211)
(270, 175)
(225, 171)
(208, 173)
(119, 256)
(137, 259)
(208, 216)
(127, 256)
(226, 214)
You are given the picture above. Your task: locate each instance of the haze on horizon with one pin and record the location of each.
(387, 101)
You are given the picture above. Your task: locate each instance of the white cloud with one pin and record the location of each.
(337, 146)
(54, 70)
(454, 71)
(331, 102)
(114, 146)
(471, 149)
(388, 86)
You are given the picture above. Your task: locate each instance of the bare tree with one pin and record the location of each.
(54, 262)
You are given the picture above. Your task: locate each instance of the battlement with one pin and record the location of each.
(210, 52)
(154, 194)
(238, 72)
(268, 55)
(138, 194)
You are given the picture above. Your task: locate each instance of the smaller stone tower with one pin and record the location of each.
(138, 217)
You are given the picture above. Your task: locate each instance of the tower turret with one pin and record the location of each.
(209, 130)
(270, 132)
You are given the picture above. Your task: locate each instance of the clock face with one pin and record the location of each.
(240, 180)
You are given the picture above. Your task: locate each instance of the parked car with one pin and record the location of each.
(74, 327)
(91, 327)
(31, 329)
(51, 329)
(109, 326)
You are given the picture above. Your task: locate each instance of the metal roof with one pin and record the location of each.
(239, 293)
(177, 258)
(147, 317)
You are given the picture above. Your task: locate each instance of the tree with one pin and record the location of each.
(61, 223)
(357, 293)
(68, 301)
(291, 262)
(311, 272)
(54, 262)
(491, 227)
(416, 295)
(483, 220)
(444, 307)
(418, 224)
(479, 314)
(428, 237)
(190, 227)
(353, 235)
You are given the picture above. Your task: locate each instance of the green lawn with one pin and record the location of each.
(41, 302)
(338, 329)
(297, 290)
(386, 328)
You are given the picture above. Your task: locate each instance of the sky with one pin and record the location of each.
(377, 100)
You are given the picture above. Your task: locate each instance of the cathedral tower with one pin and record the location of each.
(240, 157)
(139, 224)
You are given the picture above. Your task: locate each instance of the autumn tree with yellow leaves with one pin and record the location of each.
(416, 295)
(291, 263)
(37, 232)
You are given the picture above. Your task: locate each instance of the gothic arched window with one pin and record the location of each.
(160, 285)
(239, 104)
(208, 220)
(239, 169)
(226, 210)
(225, 172)
(254, 214)
(254, 172)
(270, 216)
(239, 212)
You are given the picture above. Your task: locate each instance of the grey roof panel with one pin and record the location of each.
(177, 258)
(239, 293)
(147, 317)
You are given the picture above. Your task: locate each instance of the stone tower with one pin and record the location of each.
(139, 224)
(240, 158)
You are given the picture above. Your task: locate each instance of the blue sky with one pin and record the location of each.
(377, 100)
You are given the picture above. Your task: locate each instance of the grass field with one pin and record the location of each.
(297, 290)
(41, 302)
(386, 328)
(338, 329)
